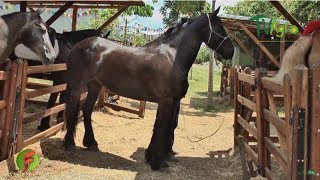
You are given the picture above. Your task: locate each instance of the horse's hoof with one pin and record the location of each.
(59, 120)
(89, 142)
(173, 159)
(43, 128)
(70, 148)
(164, 164)
(93, 148)
(69, 145)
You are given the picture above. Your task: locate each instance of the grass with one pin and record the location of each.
(198, 91)
(198, 85)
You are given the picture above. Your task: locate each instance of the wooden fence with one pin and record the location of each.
(256, 116)
(17, 90)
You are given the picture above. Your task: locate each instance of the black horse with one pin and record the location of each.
(157, 72)
(62, 44)
(28, 29)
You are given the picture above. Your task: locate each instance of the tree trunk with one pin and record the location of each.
(211, 59)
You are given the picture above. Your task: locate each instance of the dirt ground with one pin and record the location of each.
(122, 139)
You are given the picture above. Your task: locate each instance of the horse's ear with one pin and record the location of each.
(106, 35)
(41, 10)
(215, 13)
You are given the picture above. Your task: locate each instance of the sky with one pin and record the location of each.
(155, 21)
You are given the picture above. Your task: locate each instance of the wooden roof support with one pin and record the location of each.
(112, 18)
(241, 44)
(262, 47)
(56, 15)
(74, 18)
(23, 6)
(286, 14)
(79, 6)
(282, 46)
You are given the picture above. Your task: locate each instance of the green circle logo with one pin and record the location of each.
(27, 160)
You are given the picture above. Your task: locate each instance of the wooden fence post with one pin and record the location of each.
(315, 121)
(287, 90)
(300, 124)
(102, 97)
(235, 105)
(7, 134)
(23, 85)
(142, 108)
(260, 123)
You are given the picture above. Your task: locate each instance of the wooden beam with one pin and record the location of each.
(262, 47)
(56, 15)
(79, 6)
(74, 18)
(112, 18)
(241, 44)
(282, 46)
(31, 9)
(286, 14)
(23, 6)
(120, 2)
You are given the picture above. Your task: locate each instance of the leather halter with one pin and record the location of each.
(212, 31)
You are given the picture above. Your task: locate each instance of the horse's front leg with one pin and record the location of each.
(45, 122)
(157, 150)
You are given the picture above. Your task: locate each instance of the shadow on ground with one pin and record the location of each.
(227, 167)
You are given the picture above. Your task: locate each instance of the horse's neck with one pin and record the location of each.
(8, 36)
(186, 53)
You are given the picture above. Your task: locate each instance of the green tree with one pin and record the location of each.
(303, 11)
(173, 10)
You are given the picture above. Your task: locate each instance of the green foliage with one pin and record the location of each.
(100, 17)
(173, 10)
(203, 55)
(143, 11)
(303, 11)
(138, 40)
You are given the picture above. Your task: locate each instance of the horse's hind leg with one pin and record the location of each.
(72, 113)
(87, 108)
(173, 126)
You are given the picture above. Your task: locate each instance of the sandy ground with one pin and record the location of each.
(122, 139)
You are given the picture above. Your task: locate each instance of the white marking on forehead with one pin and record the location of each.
(4, 31)
(22, 51)
(48, 49)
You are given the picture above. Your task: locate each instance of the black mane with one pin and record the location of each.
(169, 34)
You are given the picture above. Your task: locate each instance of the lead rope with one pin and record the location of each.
(203, 138)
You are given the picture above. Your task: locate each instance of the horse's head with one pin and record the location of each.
(34, 35)
(214, 35)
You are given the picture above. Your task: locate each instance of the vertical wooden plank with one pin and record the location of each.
(23, 6)
(221, 80)
(3, 115)
(236, 105)
(246, 92)
(287, 91)
(24, 81)
(315, 122)
(300, 102)
(282, 46)
(232, 86)
(142, 108)
(260, 122)
(9, 112)
(102, 96)
(16, 106)
(74, 18)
